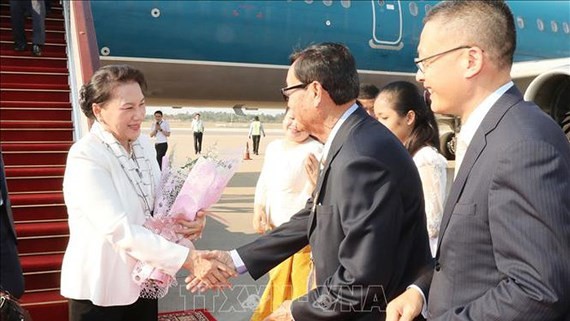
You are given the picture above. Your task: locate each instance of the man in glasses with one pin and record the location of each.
(505, 234)
(365, 222)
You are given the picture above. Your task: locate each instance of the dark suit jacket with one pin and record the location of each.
(367, 233)
(504, 251)
(11, 278)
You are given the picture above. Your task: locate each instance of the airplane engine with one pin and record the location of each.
(551, 92)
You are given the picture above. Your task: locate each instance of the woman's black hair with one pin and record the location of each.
(100, 88)
(405, 96)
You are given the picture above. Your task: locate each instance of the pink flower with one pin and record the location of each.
(181, 194)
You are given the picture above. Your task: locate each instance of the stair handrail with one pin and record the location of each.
(83, 56)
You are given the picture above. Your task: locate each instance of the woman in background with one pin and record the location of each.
(283, 188)
(401, 108)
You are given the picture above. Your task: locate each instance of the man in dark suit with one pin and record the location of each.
(504, 244)
(18, 11)
(366, 221)
(11, 277)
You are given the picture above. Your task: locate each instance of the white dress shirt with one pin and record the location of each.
(197, 126)
(160, 136)
(470, 126)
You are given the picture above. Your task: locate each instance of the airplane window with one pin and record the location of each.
(520, 22)
(380, 2)
(327, 3)
(413, 9)
(105, 51)
(554, 26)
(427, 8)
(566, 27)
(540, 24)
(345, 3)
(155, 12)
(308, 1)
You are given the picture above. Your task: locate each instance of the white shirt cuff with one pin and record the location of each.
(238, 262)
(424, 307)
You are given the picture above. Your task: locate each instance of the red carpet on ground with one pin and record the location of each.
(189, 315)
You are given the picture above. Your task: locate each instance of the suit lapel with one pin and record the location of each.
(474, 150)
(357, 116)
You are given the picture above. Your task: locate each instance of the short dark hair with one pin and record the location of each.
(158, 112)
(368, 91)
(256, 118)
(102, 84)
(332, 65)
(405, 96)
(488, 24)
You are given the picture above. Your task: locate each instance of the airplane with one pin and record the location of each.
(227, 53)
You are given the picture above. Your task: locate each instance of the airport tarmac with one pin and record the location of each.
(235, 208)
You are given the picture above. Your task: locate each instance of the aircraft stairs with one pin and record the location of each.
(36, 132)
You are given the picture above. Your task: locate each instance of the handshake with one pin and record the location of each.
(209, 270)
(212, 269)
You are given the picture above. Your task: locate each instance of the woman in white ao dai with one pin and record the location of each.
(402, 109)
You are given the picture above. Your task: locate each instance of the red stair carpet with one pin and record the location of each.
(189, 315)
(36, 131)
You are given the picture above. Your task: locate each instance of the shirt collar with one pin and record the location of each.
(476, 118)
(335, 129)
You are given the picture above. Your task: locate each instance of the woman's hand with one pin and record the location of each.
(312, 169)
(192, 230)
(260, 224)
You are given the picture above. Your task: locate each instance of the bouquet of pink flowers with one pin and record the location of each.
(182, 193)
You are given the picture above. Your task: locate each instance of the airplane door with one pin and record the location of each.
(386, 25)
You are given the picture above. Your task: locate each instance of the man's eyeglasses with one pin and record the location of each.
(420, 63)
(286, 89)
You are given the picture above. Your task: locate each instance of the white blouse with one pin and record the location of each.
(283, 187)
(432, 167)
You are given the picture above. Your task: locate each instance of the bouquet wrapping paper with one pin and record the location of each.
(181, 194)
